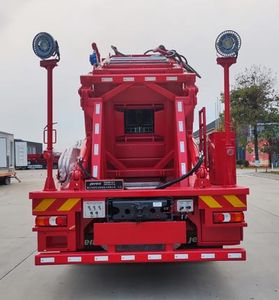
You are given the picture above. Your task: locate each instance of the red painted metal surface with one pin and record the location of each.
(228, 155)
(177, 191)
(131, 233)
(49, 65)
(181, 142)
(202, 134)
(222, 159)
(212, 254)
(97, 140)
(139, 114)
(226, 62)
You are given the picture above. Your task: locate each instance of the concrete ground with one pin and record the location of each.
(257, 278)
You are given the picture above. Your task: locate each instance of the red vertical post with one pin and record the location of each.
(49, 65)
(226, 62)
(96, 158)
(202, 134)
(229, 155)
(181, 140)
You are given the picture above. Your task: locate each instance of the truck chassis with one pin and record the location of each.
(140, 190)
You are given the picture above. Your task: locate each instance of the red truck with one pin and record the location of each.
(37, 161)
(139, 190)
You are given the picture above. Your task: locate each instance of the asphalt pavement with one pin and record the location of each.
(257, 278)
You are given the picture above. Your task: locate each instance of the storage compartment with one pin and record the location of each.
(222, 235)
(222, 159)
(56, 242)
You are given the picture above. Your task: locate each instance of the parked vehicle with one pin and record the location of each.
(21, 155)
(6, 157)
(38, 161)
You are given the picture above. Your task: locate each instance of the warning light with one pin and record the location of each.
(51, 221)
(228, 217)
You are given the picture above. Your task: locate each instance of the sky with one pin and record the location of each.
(188, 26)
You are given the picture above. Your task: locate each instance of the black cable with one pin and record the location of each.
(177, 57)
(192, 70)
(185, 59)
(171, 54)
(186, 65)
(84, 171)
(147, 51)
(162, 47)
(172, 182)
(116, 52)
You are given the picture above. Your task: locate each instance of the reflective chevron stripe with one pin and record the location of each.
(222, 201)
(210, 201)
(60, 205)
(234, 201)
(69, 204)
(44, 204)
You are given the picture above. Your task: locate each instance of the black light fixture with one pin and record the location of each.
(228, 43)
(45, 46)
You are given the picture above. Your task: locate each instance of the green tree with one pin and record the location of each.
(254, 100)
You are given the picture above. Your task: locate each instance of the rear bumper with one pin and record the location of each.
(212, 254)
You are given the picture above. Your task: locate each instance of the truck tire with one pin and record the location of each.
(7, 180)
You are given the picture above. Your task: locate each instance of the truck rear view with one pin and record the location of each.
(138, 189)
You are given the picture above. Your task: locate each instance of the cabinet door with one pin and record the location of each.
(3, 153)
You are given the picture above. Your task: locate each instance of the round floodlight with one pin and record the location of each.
(44, 45)
(228, 43)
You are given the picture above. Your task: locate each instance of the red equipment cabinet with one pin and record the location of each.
(125, 199)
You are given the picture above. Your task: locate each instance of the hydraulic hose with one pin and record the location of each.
(176, 180)
(180, 59)
(86, 174)
(116, 52)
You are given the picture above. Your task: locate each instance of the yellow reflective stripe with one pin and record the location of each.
(234, 201)
(210, 201)
(69, 204)
(44, 204)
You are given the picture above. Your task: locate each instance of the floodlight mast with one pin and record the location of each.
(228, 52)
(227, 45)
(49, 65)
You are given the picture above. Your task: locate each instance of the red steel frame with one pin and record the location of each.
(100, 155)
(226, 62)
(141, 257)
(49, 65)
(202, 134)
(229, 158)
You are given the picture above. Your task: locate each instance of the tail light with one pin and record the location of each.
(51, 221)
(228, 217)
